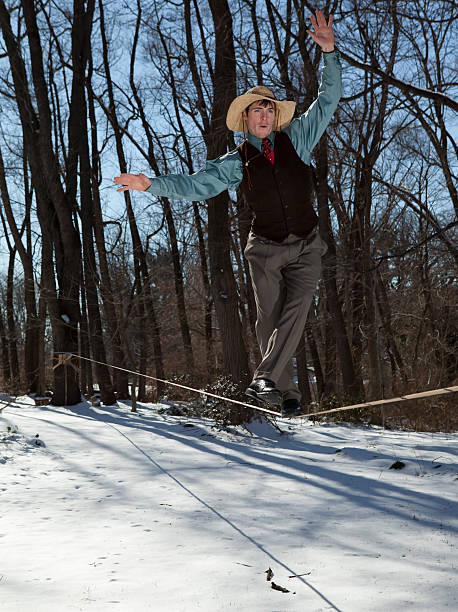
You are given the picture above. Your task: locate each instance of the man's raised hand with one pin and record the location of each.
(323, 34)
(135, 182)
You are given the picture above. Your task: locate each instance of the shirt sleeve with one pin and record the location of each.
(305, 131)
(216, 176)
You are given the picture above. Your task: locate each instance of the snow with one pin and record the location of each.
(112, 510)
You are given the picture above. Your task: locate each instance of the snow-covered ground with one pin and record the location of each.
(113, 510)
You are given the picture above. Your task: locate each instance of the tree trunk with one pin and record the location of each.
(244, 217)
(384, 307)
(302, 372)
(315, 360)
(65, 315)
(85, 367)
(79, 149)
(120, 377)
(178, 273)
(12, 329)
(143, 281)
(209, 342)
(30, 130)
(179, 285)
(31, 356)
(6, 368)
(224, 289)
(352, 382)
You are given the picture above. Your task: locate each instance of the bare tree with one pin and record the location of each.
(142, 280)
(25, 251)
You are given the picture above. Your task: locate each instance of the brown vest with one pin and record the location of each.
(280, 195)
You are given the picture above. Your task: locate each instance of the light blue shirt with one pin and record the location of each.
(226, 172)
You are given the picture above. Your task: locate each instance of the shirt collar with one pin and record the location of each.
(257, 142)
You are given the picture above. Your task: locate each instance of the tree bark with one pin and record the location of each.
(6, 368)
(143, 282)
(12, 328)
(31, 356)
(120, 377)
(320, 386)
(65, 312)
(224, 289)
(352, 382)
(302, 372)
(79, 150)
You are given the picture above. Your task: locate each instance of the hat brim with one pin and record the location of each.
(234, 119)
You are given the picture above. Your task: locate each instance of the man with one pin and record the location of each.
(271, 168)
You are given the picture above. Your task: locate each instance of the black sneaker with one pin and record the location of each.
(291, 408)
(264, 390)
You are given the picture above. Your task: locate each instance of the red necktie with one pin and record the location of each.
(267, 150)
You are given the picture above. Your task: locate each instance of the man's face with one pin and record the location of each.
(260, 119)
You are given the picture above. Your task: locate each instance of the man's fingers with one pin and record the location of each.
(320, 18)
(135, 182)
(125, 180)
(124, 177)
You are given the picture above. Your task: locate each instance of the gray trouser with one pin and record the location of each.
(284, 277)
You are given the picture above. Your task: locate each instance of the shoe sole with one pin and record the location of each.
(273, 397)
(292, 415)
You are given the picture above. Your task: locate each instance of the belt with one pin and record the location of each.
(311, 237)
(307, 239)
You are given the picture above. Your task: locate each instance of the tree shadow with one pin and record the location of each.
(353, 487)
(250, 450)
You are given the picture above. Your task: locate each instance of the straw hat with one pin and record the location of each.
(234, 119)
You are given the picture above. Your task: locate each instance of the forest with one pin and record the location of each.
(92, 88)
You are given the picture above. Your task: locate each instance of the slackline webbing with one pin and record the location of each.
(168, 382)
(370, 404)
(391, 400)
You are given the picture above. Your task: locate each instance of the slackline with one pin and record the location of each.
(370, 404)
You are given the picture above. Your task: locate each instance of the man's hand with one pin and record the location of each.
(136, 182)
(323, 34)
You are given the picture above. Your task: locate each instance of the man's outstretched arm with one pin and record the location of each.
(216, 176)
(306, 130)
